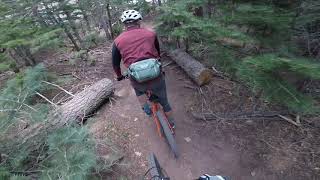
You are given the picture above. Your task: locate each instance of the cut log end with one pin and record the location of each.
(195, 70)
(204, 77)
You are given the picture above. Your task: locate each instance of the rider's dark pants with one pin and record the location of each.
(158, 88)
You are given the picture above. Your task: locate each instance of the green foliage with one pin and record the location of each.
(16, 107)
(266, 74)
(6, 63)
(67, 153)
(4, 174)
(224, 58)
(307, 28)
(78, 56)
(25, 85)
(3, 58)
(18, 93)
(17, 177)
(143, 7)
(92, 39)
(41, 114)
(177, 22)
(239, 37)
(117, 29)
(264, 21)
(4, 67)
(46, 40)
(72, 153)
(262, 16)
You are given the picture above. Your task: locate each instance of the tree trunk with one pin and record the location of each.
(198, 11)
(25, 54)
(68, 33)
(102, 19)
(105, 27)
(159, 2)
(12, 52)
(178, 43)
(70, 36)
(73, 27)
(30, 56)
(20, 54)
(109, 22)
(75, 111)
(195, 70)
(186, 42)
(209, 8)
(86, 19)
(60, 23)
(38, 16)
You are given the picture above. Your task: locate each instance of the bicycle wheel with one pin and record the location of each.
(168, 134)
(154, 167)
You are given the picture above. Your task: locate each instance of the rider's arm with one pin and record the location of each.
(116, 59)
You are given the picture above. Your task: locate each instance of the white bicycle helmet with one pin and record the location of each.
(130, 15)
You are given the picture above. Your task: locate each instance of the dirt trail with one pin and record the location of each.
(201, 151)
(203, 154)
(123, 121)
(243, 150)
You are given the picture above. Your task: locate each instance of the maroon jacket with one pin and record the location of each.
(134, 45)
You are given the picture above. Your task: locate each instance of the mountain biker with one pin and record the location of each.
(140, 52)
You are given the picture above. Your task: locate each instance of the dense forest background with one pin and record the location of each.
(270, 46)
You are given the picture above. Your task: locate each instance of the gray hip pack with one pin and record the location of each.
(145, 70)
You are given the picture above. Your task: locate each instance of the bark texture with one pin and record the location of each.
(195, 70)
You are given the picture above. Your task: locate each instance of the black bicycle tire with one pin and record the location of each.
(155, 168)
(168, 134)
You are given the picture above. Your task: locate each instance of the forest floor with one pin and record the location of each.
(243, 149)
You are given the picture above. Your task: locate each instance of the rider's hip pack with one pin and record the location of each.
(145, 70)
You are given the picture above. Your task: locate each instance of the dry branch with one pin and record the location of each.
(245, 115)
(59, 87)
(289, 120)
(45, 98)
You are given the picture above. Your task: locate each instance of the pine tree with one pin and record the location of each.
(255, 41)
(275, 79)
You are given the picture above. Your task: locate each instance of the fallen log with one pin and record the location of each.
(195, 70)
(76, 110)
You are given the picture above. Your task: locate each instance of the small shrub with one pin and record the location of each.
(4, 67)
(117, 29)
(79, 55)
(72, 153)
(92, 39)
(6, 63)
